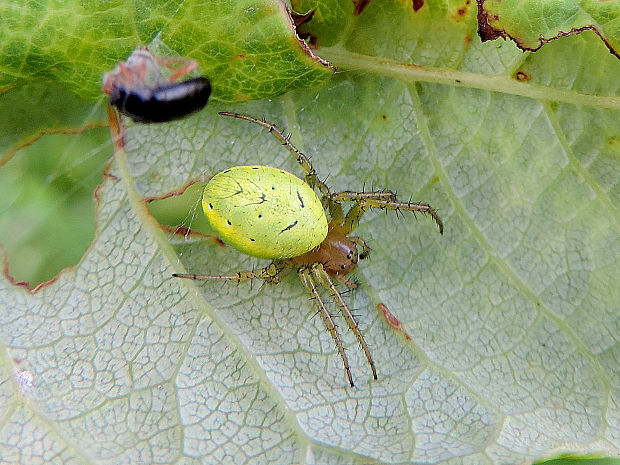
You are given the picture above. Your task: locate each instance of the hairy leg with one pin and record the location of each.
(343, 279)
(308, 281)
(322, 276)
(384, 200)
(271, 274)
(311, 177)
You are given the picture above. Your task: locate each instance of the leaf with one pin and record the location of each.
(247, 48)
(47, 214)
(513, 312)
(531, 24)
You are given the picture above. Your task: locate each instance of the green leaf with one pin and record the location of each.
(513, 312)
(248, 49)
(533, 23)
(52, 160)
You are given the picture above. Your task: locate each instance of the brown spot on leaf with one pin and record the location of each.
(522, 76)
(392, 320)
(359, 6)
(462, 12)
(384, 116)
(417, 4)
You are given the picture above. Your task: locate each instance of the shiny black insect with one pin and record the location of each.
(146, 87)
(164, 103)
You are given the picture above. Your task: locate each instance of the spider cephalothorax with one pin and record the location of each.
(269, 213)
(338, 253)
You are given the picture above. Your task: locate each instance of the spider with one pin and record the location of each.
(270, 213)
(144, 87)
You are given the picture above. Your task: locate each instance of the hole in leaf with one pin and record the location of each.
(47, 213)
(181, 210)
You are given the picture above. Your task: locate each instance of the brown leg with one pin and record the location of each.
(385, 200)
(271, 274)
(310, 285)
(322, 276)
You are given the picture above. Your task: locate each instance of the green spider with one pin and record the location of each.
(269, 213)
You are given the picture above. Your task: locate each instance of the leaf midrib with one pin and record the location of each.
(410, 73)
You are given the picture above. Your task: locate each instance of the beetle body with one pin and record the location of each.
(146, 87)
(265, 212)
(164, 103)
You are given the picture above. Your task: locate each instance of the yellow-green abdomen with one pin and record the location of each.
(264, 212)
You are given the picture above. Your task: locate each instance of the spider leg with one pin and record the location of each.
(335, 210)
(385, 200)
(322, 276)
(310, 285)
(271, 274)
(359, 242)
(385, 195)
(311, 177)
(350, 283)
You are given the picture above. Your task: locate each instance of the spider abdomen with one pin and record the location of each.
(264, 212)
